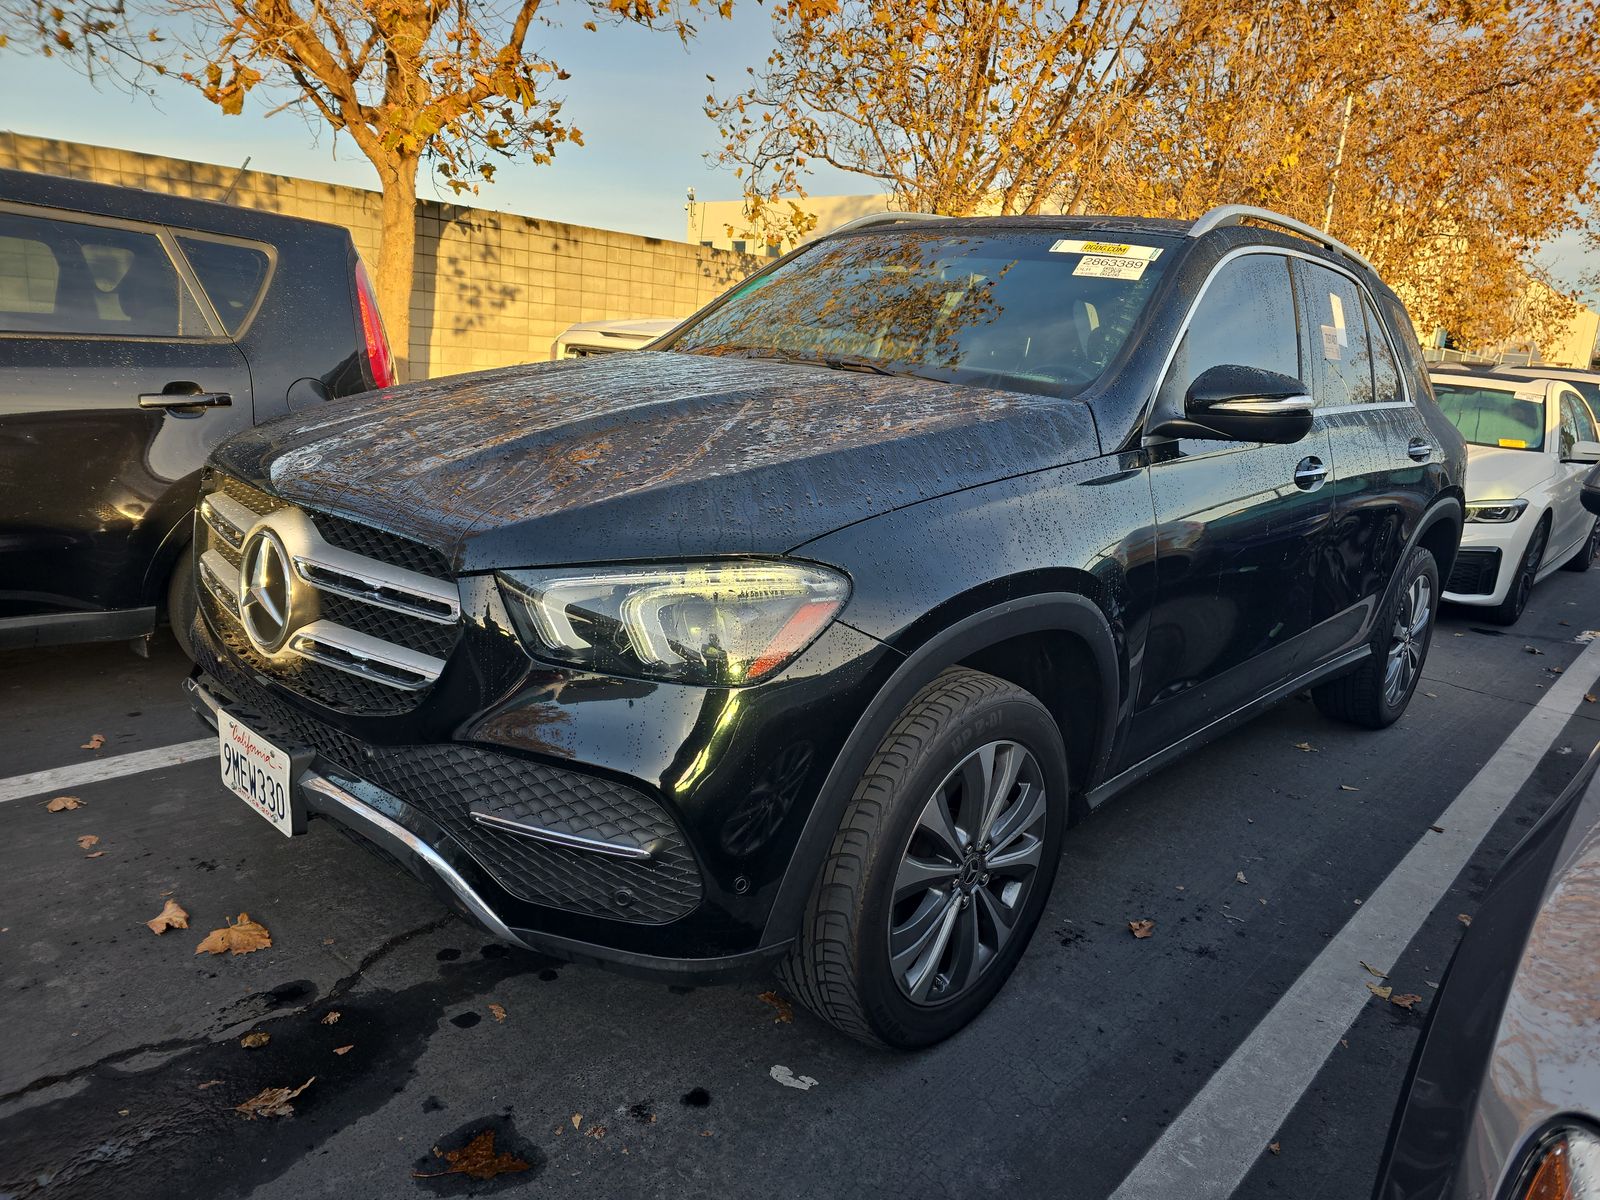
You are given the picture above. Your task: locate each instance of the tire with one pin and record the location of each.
(1584, 558)
(842, 967)
(1509, 610)
(1370, 696)
(181, 601)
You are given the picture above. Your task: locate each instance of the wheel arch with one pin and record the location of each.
(1035, 641)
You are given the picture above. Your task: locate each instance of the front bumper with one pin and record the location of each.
(1488, 560)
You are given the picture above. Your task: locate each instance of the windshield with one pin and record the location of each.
(1491, 417)
(1031, 311)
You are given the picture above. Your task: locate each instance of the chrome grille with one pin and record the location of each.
(366, 630)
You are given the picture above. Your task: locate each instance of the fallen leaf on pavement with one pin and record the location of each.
(254, 1039)
(785, 1010)
(595, 1131)
(577, 1120)
(272, 1102)
(1532, 650)
(1345, 787)
(497, 1011)
(96, 854)
(171, 916)
(85, 840)
(1464, 919)
(210, 1083)
(1431, 695)
(342, 1050)
(1141, 929)
(241, 937)
(332, 1018)
(1372, 969)
(476, 1160)
(1307, 747)
(1405, 1001)
(95, 742)
(1436, 828)
(1275, 1147)
(63, 804)
(1382, 993)
(1588, 698)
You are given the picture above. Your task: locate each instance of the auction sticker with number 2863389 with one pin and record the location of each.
(257, 772)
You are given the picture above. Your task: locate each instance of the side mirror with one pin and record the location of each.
(1584, 452)
(1243, 404)
(1591, 491)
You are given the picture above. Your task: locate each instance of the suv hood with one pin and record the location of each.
(1497, 474)
(650, 455)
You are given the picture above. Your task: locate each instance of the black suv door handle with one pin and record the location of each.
(1419, 450)
(185, 395)
(1310, 474)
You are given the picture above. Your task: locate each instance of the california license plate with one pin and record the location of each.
(259, 773)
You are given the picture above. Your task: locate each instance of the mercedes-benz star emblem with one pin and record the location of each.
(266, 591)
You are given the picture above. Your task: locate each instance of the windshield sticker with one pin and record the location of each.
(1108, 249)
(1103, 266)
(1338, 319)
(1331, 341)
(1513, 444)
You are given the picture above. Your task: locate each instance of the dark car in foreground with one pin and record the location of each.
(1503, 1098)
(801, 638)
(137, 332)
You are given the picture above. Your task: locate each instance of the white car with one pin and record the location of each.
(1530, 443)
(607, 337)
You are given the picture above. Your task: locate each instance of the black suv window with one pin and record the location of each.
(1385, 371)
(232, 274)
(1245, 318)
(67, 277)
(1034, 311)
(1341, 356)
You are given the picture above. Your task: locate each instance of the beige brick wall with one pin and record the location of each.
(491, 288)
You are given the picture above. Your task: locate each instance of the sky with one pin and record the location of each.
(637, 96)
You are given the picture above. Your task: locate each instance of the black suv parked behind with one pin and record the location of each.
(137, 331)
(803, 637)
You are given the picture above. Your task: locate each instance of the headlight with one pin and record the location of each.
(703, 623)
(1495, 512)
(1565, 1167)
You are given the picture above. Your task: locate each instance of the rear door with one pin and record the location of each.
(1571, 522)
(1242, 527)
(1385, 462)
(116, 380)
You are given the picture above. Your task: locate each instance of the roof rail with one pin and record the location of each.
(1237, 214)
(884, 218)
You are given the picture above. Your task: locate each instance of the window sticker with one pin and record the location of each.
(1103, 266)
(1338, 319)
(1107, 249)
(1513, 444)
(1331, 341)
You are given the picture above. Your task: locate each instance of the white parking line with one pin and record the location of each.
(58, 779)
(1208, 1150)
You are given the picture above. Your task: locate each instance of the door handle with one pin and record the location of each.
(1419, 450)
(1310, 474)
(185, 395)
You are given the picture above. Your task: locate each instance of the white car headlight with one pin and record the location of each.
(1495, 512)
(712, 623)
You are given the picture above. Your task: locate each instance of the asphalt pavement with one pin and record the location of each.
(121, 1060)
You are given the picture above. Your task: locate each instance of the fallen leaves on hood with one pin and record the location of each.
(1405, 1001)
(1372, 969)
(63, 804)
(85, 840)
(241, 937)
(255, 1039)
(1141, 929)
(96, 740)
(332, 1018)
(497, 1011)
(1307, 748)
(1382, 993)
(784, 1010)
(272, 1102)
(476, 1160)
(171, 916)
(343, 1050)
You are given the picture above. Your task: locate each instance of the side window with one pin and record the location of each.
(1569, 424)
(1341, 356)
(233, 275)
(1246, 318)
(1385, 371)
(1583, 422)
(65, 277)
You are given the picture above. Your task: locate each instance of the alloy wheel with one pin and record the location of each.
(1530, 569)
(1409, 639)
(967, 872)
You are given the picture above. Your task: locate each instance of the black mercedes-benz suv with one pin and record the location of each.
(801, 638)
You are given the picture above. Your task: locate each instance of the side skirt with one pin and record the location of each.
(56, 629)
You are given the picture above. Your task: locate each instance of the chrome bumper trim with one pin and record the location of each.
(398, 839)
(570, 841)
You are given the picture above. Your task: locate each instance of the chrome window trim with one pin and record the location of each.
(1283, 252)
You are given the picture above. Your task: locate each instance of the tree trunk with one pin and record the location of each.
(397, 257)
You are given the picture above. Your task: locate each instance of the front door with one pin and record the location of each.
(95, 315)
(1241, 527)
